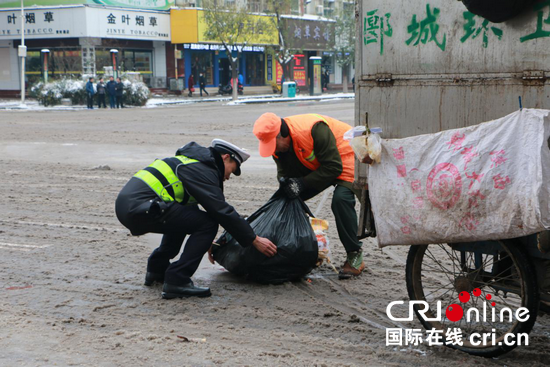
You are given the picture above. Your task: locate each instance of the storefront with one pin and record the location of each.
(80, 38)
(208, 56)
(307, 38)
(213, 63)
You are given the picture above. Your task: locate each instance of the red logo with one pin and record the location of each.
(455, 312)
(444, 186)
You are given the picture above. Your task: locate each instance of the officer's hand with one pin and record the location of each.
(265, 246)
(292, 187)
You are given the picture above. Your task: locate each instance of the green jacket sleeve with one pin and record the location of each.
(280, 169)
(326, 152)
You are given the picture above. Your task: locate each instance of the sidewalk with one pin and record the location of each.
(246, 99)
(160, 101)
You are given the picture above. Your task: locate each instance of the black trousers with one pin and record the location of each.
(176, 224)
(119, 102)
(90, 100)
(101, 100)
(203, 90)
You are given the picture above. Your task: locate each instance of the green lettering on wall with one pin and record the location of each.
(472, 30)
(541, 23)
(426, 30)
(375, 28)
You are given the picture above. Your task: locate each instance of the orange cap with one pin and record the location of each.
(266, 129)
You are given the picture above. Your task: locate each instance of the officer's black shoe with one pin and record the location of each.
(188, 290)
(151, 278)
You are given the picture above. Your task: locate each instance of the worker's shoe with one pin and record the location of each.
(182, 291)
(353, 266)
(151, 278)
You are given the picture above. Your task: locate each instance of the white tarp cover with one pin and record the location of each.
(488, 181)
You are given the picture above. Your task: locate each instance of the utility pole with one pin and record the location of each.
(176, 67)
(23, 54)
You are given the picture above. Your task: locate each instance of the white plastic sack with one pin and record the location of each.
(483, 182)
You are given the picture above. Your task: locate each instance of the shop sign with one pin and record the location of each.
(300, 70)
(136, 4)
(80, 21)
(279, 72)
(43, 23)
(268, 37)
(211, 47)
(274, 64)
(116, 23)
(189, 26)
(269, 67)
(314, 35)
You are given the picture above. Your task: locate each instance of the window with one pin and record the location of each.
(62, 62)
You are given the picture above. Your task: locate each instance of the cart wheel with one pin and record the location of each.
(498, 268)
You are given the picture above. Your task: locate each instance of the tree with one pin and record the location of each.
(230, 24)
(345, 42)
(284, 51)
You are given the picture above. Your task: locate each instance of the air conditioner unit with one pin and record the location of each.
(320, 9)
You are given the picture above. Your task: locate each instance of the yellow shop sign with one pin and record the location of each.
(189, 26)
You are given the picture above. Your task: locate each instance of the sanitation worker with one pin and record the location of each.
(164, 197)
(311, 154)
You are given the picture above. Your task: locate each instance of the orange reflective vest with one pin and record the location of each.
(300, 131)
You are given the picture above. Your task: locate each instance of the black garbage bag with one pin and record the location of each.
(285, 223)
(497, 11)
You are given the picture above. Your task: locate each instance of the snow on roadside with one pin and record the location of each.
(323, 97)
(32, 105)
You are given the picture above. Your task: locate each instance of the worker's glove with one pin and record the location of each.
(292, 187)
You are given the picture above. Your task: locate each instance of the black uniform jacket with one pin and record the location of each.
(204, 182)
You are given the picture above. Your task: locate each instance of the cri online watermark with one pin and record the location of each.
(455, 313)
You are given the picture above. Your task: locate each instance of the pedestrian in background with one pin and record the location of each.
(111, 89)
(190, 85)
(202, 84)
(326, 79)
(90, 91)
(119, 93)
(101, 90)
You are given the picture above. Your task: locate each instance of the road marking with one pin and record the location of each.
(71, 226)
(21, 245)
(14, 248)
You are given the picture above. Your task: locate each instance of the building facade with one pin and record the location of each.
(79, 39)
(161, 43)
(202, 54)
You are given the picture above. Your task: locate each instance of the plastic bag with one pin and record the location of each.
(286, 224)
(374, 147)
(359, 146)
(355, 132)
(320, 226)
(367, 148)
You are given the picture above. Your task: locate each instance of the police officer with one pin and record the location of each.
(164, 197)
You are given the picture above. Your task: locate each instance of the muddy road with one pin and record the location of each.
(71, 276)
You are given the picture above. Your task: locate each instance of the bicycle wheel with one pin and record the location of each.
(497, 268)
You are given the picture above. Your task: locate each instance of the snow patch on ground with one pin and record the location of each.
(160, 102)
